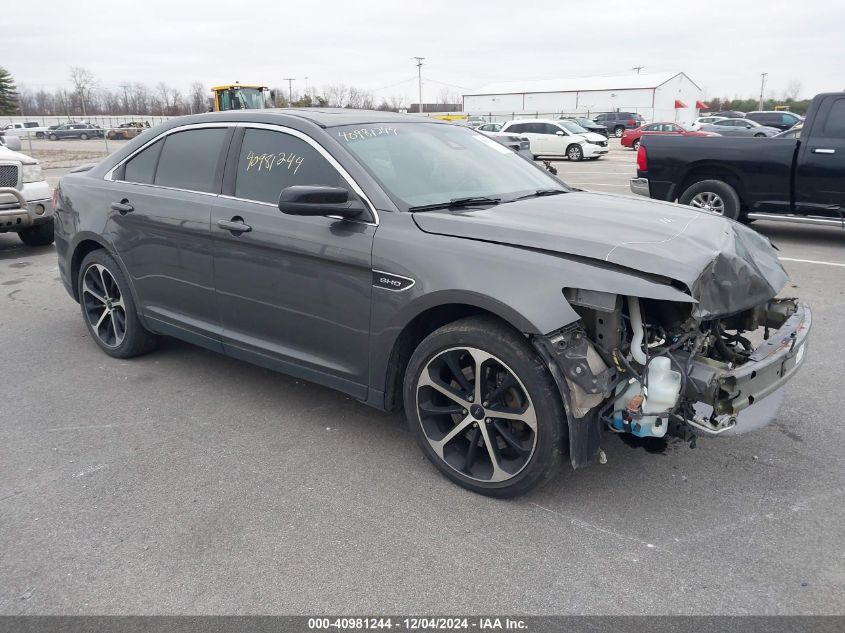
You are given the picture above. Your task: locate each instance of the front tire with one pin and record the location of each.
(83, 136)
(484, 408)
(714, 196)
(618, 132)
(575, 153)
(53, 137)
(108, 309)
(39, 235)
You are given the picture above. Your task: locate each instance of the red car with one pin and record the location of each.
(631, 138)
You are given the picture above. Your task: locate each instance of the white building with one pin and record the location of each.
(668, 96)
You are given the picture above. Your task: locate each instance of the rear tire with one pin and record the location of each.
(39, 235)
(53, 137)
(83, 137)
(713, 195)
(636, 145)
(108, 309)
(457, 381)
(760, 135)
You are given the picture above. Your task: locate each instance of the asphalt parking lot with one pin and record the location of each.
(187, 482)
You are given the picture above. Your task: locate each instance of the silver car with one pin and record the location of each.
(739, 127)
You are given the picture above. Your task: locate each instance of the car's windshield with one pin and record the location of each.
(429, 163)
(572, 127)
(583, 122)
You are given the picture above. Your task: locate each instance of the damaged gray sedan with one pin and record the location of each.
(421, 265)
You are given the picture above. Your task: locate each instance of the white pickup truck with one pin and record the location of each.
(26, 206)
(26, 129)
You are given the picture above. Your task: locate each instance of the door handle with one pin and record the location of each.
(235, 225)
(822, 150)
(123, 207)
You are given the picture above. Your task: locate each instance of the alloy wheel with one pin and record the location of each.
(103, 304)
(476, 414)
(708, 201)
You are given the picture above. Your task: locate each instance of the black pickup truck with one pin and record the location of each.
(783, 179)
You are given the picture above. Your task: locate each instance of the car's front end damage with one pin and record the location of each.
(654, 367)
(637, 366)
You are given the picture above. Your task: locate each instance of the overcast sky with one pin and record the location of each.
(722, 46)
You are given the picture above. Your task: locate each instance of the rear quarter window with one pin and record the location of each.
(141, 168)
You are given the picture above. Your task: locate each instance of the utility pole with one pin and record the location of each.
(762, 86)
(419, 78)
(638, 68)
(290, 81)
(125, 97)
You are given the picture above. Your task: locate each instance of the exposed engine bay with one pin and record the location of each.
(652, 368)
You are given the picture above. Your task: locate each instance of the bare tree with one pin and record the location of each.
(397, 102)
(140, 98)
(793, 88)
(163, 93)
(83, 84)
(359, 98)
(335, 95)
(198, 97)
(447, 95)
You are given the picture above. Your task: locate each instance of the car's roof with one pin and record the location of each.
(533, 121)
(773, 112)
(324, 117)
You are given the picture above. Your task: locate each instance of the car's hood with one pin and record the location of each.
(592, 137)
(7, 154)
(725, 266)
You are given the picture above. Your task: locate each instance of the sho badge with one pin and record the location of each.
(389, 281)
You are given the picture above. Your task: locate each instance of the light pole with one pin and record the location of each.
(762, 86)
(419, 78)
(290, 81)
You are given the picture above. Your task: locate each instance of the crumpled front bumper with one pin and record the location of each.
(729, 390)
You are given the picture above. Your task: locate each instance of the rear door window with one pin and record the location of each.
(270, 161)
(189, 160)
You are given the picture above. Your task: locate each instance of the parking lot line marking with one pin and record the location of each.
(810, 261)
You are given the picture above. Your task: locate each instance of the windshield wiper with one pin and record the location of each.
(469, 201)
(540, 193)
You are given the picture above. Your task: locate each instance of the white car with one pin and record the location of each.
(25, 130)
(705, 120)
(558, 139)
(26, 205)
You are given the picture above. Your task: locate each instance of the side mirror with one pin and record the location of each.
(12, 142)
(560, 133)
(748, 127)
(317, 200)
